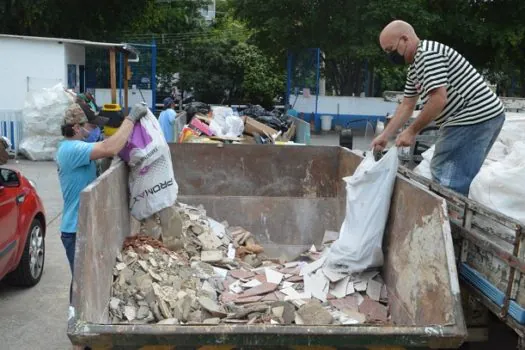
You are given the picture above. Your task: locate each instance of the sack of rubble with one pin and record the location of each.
(368, 194)
(151, 180)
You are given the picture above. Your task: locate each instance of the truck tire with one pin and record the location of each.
(31, 265)
(346, 138)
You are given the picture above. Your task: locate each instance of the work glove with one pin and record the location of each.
(138, 111)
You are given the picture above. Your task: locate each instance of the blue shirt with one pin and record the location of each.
(75, 172)
(166, 120)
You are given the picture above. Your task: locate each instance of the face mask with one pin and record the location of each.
(93, 135)
(395, 57)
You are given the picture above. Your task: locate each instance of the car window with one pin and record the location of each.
(8, 177)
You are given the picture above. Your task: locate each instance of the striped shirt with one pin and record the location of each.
(469, 99)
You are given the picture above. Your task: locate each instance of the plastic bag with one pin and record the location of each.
(151, 180)
(42, 115)
(368, 195)
(500, 185)
(225, 124)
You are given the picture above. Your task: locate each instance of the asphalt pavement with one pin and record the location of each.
(36, 318)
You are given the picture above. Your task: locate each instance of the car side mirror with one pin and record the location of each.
(9, 178)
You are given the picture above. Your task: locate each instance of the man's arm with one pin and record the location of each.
(115, 143)
(433, 108)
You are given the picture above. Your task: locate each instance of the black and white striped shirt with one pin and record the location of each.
(469, 99)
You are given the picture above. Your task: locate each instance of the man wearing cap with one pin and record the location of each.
(167, 119)
(76, 162)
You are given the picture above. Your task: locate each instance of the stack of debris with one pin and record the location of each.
(220, 275)
(260, 127)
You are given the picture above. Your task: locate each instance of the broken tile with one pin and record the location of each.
(314, 266)
(264, 288)
(384, 294)
(350, 288)
(220, 272)
(312, 313)
(261, 278)
(270, 297)
(209, 241)
(211, 306)
(373, 290)
(248, 300)
(288, 311)
(121, 266)
(293, 264)
(313, 249)
(130, 312)
(235, 287)
(251, 284)
(298, 319)
(228, 297)
(211, 256)
(287, 284)
(278, 311)
(333, 276)
(367, 275)
(347, 303)
(273, 276)
(340, 288)
(373, 310)
(295, 279)
(241, 274)
(360, 286)
(292, 294)
(317, 285)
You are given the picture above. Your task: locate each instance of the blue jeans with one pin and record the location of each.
(69, 240)
(460, 152)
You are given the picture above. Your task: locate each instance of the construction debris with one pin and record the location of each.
(200, 281)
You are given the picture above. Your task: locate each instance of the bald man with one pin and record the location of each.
(455, 96)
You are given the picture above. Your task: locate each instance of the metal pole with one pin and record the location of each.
(288, 80)
(317, 88)
(120, 78)
(153, 75)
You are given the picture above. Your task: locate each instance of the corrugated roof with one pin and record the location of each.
(123, 47)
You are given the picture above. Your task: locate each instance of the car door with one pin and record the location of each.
(9, 190)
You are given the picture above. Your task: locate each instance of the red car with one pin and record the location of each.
(22, 230)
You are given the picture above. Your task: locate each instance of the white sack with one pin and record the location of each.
(42, 115)
(368, 195)
(152, 183)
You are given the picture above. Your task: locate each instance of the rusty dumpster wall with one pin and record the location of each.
(104, 222)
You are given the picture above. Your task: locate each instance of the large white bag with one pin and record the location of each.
(151, 181)
(368, 194)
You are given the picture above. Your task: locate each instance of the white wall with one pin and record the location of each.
(27, 64)
(103, 96)
(74, 54)
(344, 105)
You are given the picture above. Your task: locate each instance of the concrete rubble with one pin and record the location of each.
(191, 269)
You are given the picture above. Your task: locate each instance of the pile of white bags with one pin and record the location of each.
(224, 123)
(368, 195)
(151, 180)
(43, 114)
(500, 184)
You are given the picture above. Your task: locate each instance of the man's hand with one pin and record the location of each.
(380, 142)
(406, 138)
(138, 111)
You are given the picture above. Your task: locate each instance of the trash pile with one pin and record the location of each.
(218, 274)
(223, 125)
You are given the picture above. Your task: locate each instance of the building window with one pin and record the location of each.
(71, 76)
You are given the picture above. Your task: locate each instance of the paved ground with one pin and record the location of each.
(36, 318)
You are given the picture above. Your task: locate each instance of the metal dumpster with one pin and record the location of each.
(287, 197)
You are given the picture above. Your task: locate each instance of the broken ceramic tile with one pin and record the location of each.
(373, 310)
(236, 287)
(360, 286)
(340, 288)
(314, 266)
(130, 312)
(373, 290)
(317, 285)
(349, 302)
(333, 276)
(350, 288)
(273, 276)
(211, 306)
(251, 284)
(248, 300)
(264, 288)
(168, 321)
(241, 274)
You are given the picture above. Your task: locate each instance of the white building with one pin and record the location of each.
(32, 63)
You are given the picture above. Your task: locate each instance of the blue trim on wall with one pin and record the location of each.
(355, 121)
